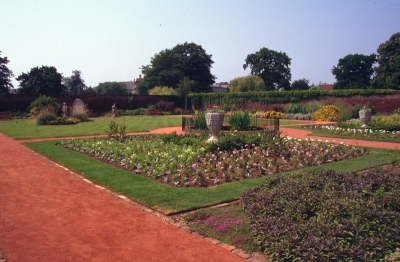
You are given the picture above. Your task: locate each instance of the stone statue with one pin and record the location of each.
(64, 110)
(365, 116)
(114, 110)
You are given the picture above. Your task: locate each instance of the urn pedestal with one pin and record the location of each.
(214, 124)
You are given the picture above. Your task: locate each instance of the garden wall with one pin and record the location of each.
(382, 103)
(96, 103)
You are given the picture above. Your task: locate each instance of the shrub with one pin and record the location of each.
(42, 102)
(177, 111)
(396, 111)
(293, 108)
(164, 105)
(45, 117)
(326, 113)
(62, 121)
(132, 112)
(307, 108)
(274, 114)
(18, 115)
(229, 142)
(240, 120)
(289, 116)
(388, 123)
(347, 112)
(393, 257)
(326, 216)
(200, 120)
(81, 116)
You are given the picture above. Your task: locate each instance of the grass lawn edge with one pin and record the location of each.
(171, 200)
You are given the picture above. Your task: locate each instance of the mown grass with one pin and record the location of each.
(168, 199)
(322, 133)
(27, 128)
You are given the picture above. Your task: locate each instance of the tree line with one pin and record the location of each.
(186, 68)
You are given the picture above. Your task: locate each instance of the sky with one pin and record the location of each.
(111, 40)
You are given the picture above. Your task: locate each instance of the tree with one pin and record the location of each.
(388, 71)
(185, 87)
(75, 84)
(247, 83)
(272, 67)
(112, 88)
(163, 90)
(170, 66)
(5, 75)
(43, 80)
(301, 84)
(354, 71)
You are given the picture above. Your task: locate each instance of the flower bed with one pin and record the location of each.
(326, 216)
(188, 161)
(356, 132)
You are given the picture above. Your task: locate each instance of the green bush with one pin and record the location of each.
(307, 108)
(396, 111)
(240, 120)
(81, 116)
(45, 117)
(18, 115)
(61, 121)
(43, 101)
(200, 121)
(326, 216)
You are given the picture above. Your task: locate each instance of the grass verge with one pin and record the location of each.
(27, 128)
(168, 199)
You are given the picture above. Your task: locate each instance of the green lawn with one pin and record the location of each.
(316, 132)
(26, 128)
(295, 122)
(168, 199)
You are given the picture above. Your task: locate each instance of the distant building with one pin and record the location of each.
(220, 87)
(326, 86)
(131, 85)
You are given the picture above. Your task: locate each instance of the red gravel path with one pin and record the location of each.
(49, 214)
(303, 134)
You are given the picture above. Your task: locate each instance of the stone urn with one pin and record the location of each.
(365, 116)
(214, 124)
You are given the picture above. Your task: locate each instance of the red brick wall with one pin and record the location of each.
(382, 103)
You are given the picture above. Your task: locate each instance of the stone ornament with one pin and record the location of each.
(64, 110)
(365, 116)
(78, 106)
(114, 110)
(214, 124)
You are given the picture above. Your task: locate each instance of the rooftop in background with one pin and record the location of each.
(131, 85)
(326, 86)
(220, 87)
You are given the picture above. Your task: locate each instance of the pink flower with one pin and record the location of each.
(194, 165)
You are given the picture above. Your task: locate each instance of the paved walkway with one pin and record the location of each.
(303, 134)
(49, 214)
